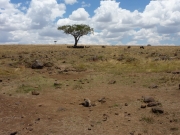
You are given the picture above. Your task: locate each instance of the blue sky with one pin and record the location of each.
(115, 22)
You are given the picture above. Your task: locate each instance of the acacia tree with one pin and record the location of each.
(76, 30)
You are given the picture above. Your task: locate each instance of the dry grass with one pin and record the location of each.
(86, 73)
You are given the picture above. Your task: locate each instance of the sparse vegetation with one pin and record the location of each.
(149, 120)
(26, 89)
(114, 78)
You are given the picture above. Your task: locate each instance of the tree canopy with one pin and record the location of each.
(76, 30)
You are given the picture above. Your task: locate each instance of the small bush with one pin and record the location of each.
(26, 89)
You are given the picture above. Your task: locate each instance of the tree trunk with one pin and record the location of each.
(76, 41)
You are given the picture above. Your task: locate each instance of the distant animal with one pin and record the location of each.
(129, 47)
(141, 47)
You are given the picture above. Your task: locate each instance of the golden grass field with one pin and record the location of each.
(119, 75)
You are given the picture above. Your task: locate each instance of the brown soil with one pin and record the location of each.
(57, 110)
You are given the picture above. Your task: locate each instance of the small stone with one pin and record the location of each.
(112, 82)
(151, 104)
(153, 86)
(157, 110)
(30, 129)
(126, 104)
(60, 109)
(56, 84)
(148, 99)
(89, 128)
(38, 119)
(35, 93)
(175, 72)
(105, 116)
(86, 103)
(37, 64)
(102, 100)
(116, 113)
(0, 80)
(14, 133)
(143, 106)
(132, 133)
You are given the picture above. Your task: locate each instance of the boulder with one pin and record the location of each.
(35, 93)
(86, 103)
(151, 104)
(157, 110)
(148, 99)
(37, 64)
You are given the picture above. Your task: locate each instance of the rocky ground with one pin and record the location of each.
(54, 90)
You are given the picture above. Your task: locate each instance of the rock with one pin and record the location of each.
(121, 57)
(175, 72)
(157, 110)
(153, 86)
(57, 84)
(14, 133)
(86, 103)
(132, 133)
(0, 80)
(37, 65)
(148, 99)
(102, 100)
(151, 104)
(143, 106)
(105, 116)
(126, 104)
(38, 119)
(35, 93)
(116, 113)
(112, 82)
(60, 109)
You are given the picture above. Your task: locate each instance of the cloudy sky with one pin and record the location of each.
(115, 22)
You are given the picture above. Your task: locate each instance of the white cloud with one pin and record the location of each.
(37, 23)
(44, 12)
(84, 4)
(79, 15)
(71, 2)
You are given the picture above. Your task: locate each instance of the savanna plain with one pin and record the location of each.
(130, 90)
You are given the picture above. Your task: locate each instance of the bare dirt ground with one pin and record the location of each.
(48, 101)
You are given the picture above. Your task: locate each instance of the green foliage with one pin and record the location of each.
(26, 89)
(76, 30)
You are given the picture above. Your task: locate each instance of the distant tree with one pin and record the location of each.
(55, 42)
(76, 30)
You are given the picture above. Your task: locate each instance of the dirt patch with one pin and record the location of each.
(116, 92)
